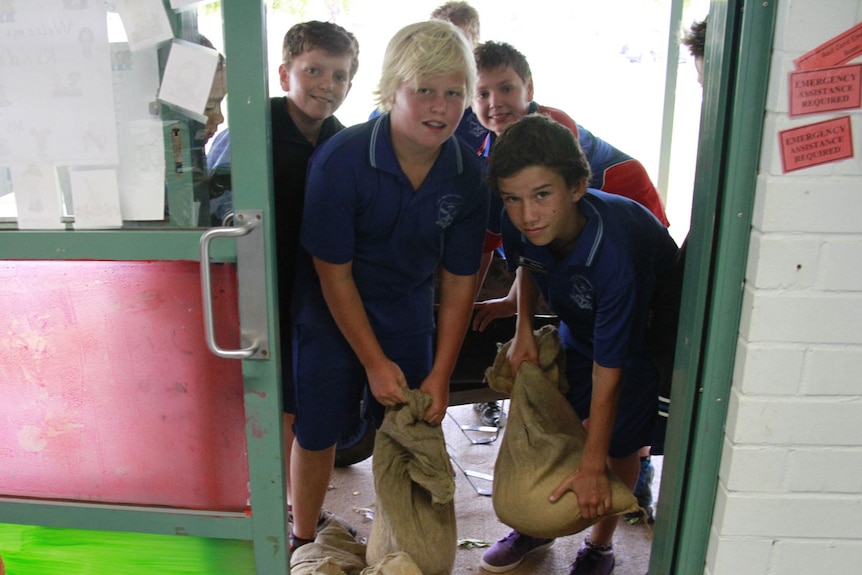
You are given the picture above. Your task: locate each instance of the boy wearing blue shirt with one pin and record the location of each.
(386, 202)
(319, 61)
(504, 93)
(596, 259)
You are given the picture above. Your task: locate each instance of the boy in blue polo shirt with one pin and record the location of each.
(386, 202)
(596, 259)
(319, 62)
(504, 93)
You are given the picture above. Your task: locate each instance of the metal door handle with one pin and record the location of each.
(251, 272)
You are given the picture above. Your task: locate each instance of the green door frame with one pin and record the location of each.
(266, 525)
(739, 45)
(251, 173)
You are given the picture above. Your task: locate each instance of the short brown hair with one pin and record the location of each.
(537, 140)
(325, 36)
(493, 55)
(695, 38)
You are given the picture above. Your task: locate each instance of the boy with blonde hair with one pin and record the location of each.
(386, 202)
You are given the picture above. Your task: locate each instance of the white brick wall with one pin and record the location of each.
(789, 500)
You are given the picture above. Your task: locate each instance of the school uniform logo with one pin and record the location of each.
(582, 292)
(447, 208)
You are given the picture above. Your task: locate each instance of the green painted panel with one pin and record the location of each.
(739, 44)
(126, 245)
(213, 524)
(37, 550)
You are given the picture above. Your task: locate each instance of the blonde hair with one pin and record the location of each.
(424, 50)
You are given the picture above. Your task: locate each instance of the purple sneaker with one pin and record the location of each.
(508, 552)
(591, 561)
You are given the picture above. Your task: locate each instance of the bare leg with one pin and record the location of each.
(288, 419)
(310, 474)
(627, 469)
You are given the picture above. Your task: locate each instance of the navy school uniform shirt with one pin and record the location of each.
(472, 131)
(361, 208)
(291, 152)
(602, 289)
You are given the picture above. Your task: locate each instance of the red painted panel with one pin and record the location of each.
(108, 392)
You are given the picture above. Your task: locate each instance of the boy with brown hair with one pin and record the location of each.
(695, 40)
(504, 94)
(319, 61)
(596, 259)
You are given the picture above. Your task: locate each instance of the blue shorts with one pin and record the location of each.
(330, 382)
(288, 396)
(636, 410)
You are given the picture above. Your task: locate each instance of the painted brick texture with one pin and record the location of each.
(790, 492)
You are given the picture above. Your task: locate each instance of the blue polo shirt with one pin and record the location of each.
(361, 208)
(602, 289)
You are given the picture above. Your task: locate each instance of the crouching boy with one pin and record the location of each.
(596, 258)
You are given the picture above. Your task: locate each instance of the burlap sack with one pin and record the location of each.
(334, 552)
(394, 564)
(542, 444)
(413, 478)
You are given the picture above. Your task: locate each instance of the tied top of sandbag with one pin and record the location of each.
(551, 362)
(410, 413)
(428, 463)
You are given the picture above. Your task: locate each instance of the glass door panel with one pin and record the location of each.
(107, 110)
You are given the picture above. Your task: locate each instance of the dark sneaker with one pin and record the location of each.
(297, 542)
(328, 517)
(490, 413)
(643, 492)
(508, 552)
(591, 561)
(324, 519)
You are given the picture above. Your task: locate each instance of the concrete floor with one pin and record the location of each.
(352, 492)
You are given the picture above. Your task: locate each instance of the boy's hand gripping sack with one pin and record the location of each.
(413, 478)
(543, 443)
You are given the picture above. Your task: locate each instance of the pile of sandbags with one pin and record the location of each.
(336, 552)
